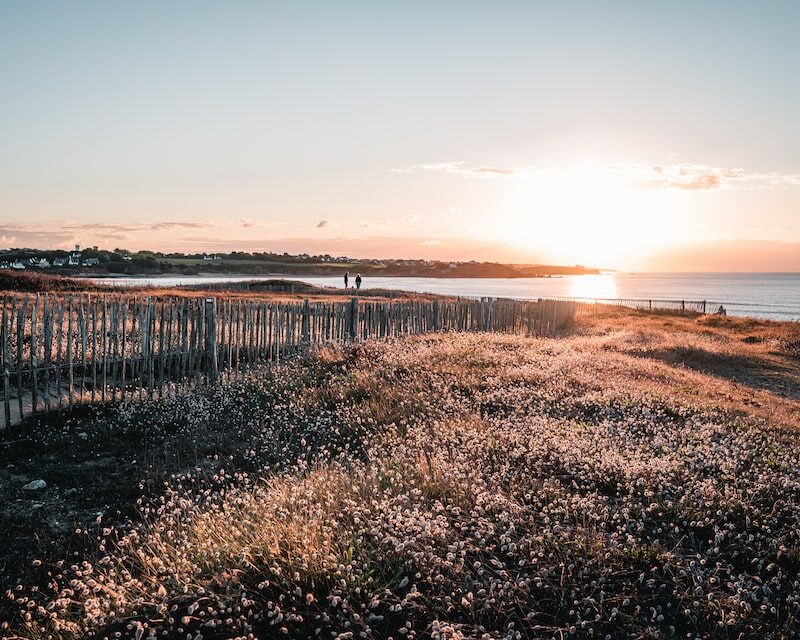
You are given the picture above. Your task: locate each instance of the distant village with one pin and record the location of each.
(22, 259)
(19, 260)
(102, 262)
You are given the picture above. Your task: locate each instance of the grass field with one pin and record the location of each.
(635, 478)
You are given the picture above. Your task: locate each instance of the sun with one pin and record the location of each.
(586, 215)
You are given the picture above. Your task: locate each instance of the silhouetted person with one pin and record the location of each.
(346, 279)
(358, 281)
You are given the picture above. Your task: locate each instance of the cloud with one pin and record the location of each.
(250, 223)
(459, 168)
(64, 233)
(685, 176)
(30, 236)
(701, 177)
(388, 222)
(133, 227)
(322, 223)
(430, 243)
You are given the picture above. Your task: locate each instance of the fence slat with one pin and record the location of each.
(47, 348)
(123, 350)
(34, 354)
(6, 366)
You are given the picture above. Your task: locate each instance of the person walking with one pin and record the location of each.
(358, 281)
(346, 279)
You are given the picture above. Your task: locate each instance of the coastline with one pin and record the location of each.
(766, 296)
(239, 274)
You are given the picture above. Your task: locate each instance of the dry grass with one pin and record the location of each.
(34, 282)
(274, 290)
(740, 364)
(634, 479)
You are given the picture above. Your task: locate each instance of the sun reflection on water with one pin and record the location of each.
(602, 285)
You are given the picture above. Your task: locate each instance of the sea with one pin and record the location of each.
(772, 296)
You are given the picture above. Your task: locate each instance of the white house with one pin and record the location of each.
(17, 265)
(59, 262)
(91, 262)
(42, 263)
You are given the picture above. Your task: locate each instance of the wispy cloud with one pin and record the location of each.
(252, 223)
(322, 224)
(685, 176)
(133, 227)
(701, 177)
(459, 168)
(63, 233)
(16, 235)
(390, 222)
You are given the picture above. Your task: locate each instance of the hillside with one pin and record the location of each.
(120, 262)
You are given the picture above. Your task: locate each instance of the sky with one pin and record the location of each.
(626, 135)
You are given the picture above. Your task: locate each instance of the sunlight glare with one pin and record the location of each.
(603, 285)
(587, 215)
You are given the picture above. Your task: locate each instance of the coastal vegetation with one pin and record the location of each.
(631, 478)
(95, 261)
(15, 282)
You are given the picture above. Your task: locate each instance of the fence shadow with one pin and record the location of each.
(755, 372)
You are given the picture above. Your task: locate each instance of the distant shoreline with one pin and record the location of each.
(238, 274)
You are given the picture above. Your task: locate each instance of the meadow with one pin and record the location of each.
(637, 477)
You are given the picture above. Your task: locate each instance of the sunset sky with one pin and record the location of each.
(625, 135)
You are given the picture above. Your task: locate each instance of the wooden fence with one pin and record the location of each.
(57, 351)
(586, 305)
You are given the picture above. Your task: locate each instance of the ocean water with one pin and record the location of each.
(774, 296)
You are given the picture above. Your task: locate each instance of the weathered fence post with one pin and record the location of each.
(304, 324)
(6, 369)
(212, 369)
(353, 318)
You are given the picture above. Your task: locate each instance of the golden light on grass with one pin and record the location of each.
(368, 490)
